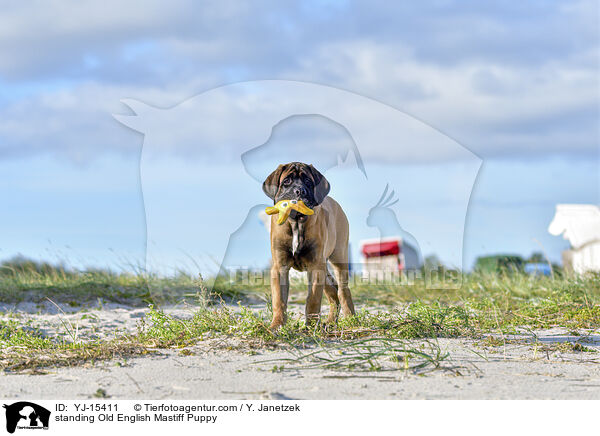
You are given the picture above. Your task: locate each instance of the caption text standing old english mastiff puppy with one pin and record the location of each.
(306, 243)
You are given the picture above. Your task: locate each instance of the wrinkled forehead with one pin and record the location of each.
(295, 170)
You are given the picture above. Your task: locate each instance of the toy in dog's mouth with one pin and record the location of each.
(285, 207)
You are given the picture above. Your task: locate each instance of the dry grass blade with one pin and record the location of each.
(72, 331)
(370, 354)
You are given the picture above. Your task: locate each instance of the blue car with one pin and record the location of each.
(538, 269)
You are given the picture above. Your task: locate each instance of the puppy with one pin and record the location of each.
(306, 243)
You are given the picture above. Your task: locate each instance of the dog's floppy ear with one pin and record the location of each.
(271, 184)
(321, 184)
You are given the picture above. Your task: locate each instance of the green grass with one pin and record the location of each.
(81, 287)
(382, 334)
(24, 347)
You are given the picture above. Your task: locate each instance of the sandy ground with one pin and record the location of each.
(513, 371)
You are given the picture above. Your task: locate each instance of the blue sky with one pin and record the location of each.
(517, 83)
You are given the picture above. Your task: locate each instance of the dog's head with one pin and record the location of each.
(297, 181)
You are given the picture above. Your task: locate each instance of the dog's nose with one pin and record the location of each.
(299, 191)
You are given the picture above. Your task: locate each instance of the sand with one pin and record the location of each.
(514, 371)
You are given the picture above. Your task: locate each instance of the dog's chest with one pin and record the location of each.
(297, 236)
(295, 250)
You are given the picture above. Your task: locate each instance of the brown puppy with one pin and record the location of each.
(306, 243)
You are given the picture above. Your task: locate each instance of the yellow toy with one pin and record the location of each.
(284, 208)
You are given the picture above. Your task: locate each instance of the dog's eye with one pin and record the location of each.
(307, 181)
(287, 181)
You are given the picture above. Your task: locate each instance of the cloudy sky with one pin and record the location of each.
(516, 83)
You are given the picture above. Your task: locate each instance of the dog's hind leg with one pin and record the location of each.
(316, 284)
(339, 263)
(341, 274)
(332, 295)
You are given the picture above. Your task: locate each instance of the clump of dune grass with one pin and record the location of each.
(366, 354)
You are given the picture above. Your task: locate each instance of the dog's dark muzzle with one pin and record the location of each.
(297, 191)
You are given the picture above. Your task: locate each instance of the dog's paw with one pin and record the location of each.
(329, 325)
(312, 324)
(275, 326)
(332, 318)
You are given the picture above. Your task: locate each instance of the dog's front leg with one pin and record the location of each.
(280, 285)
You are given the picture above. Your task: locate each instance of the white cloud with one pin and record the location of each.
(503, 79)
(492, 108)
